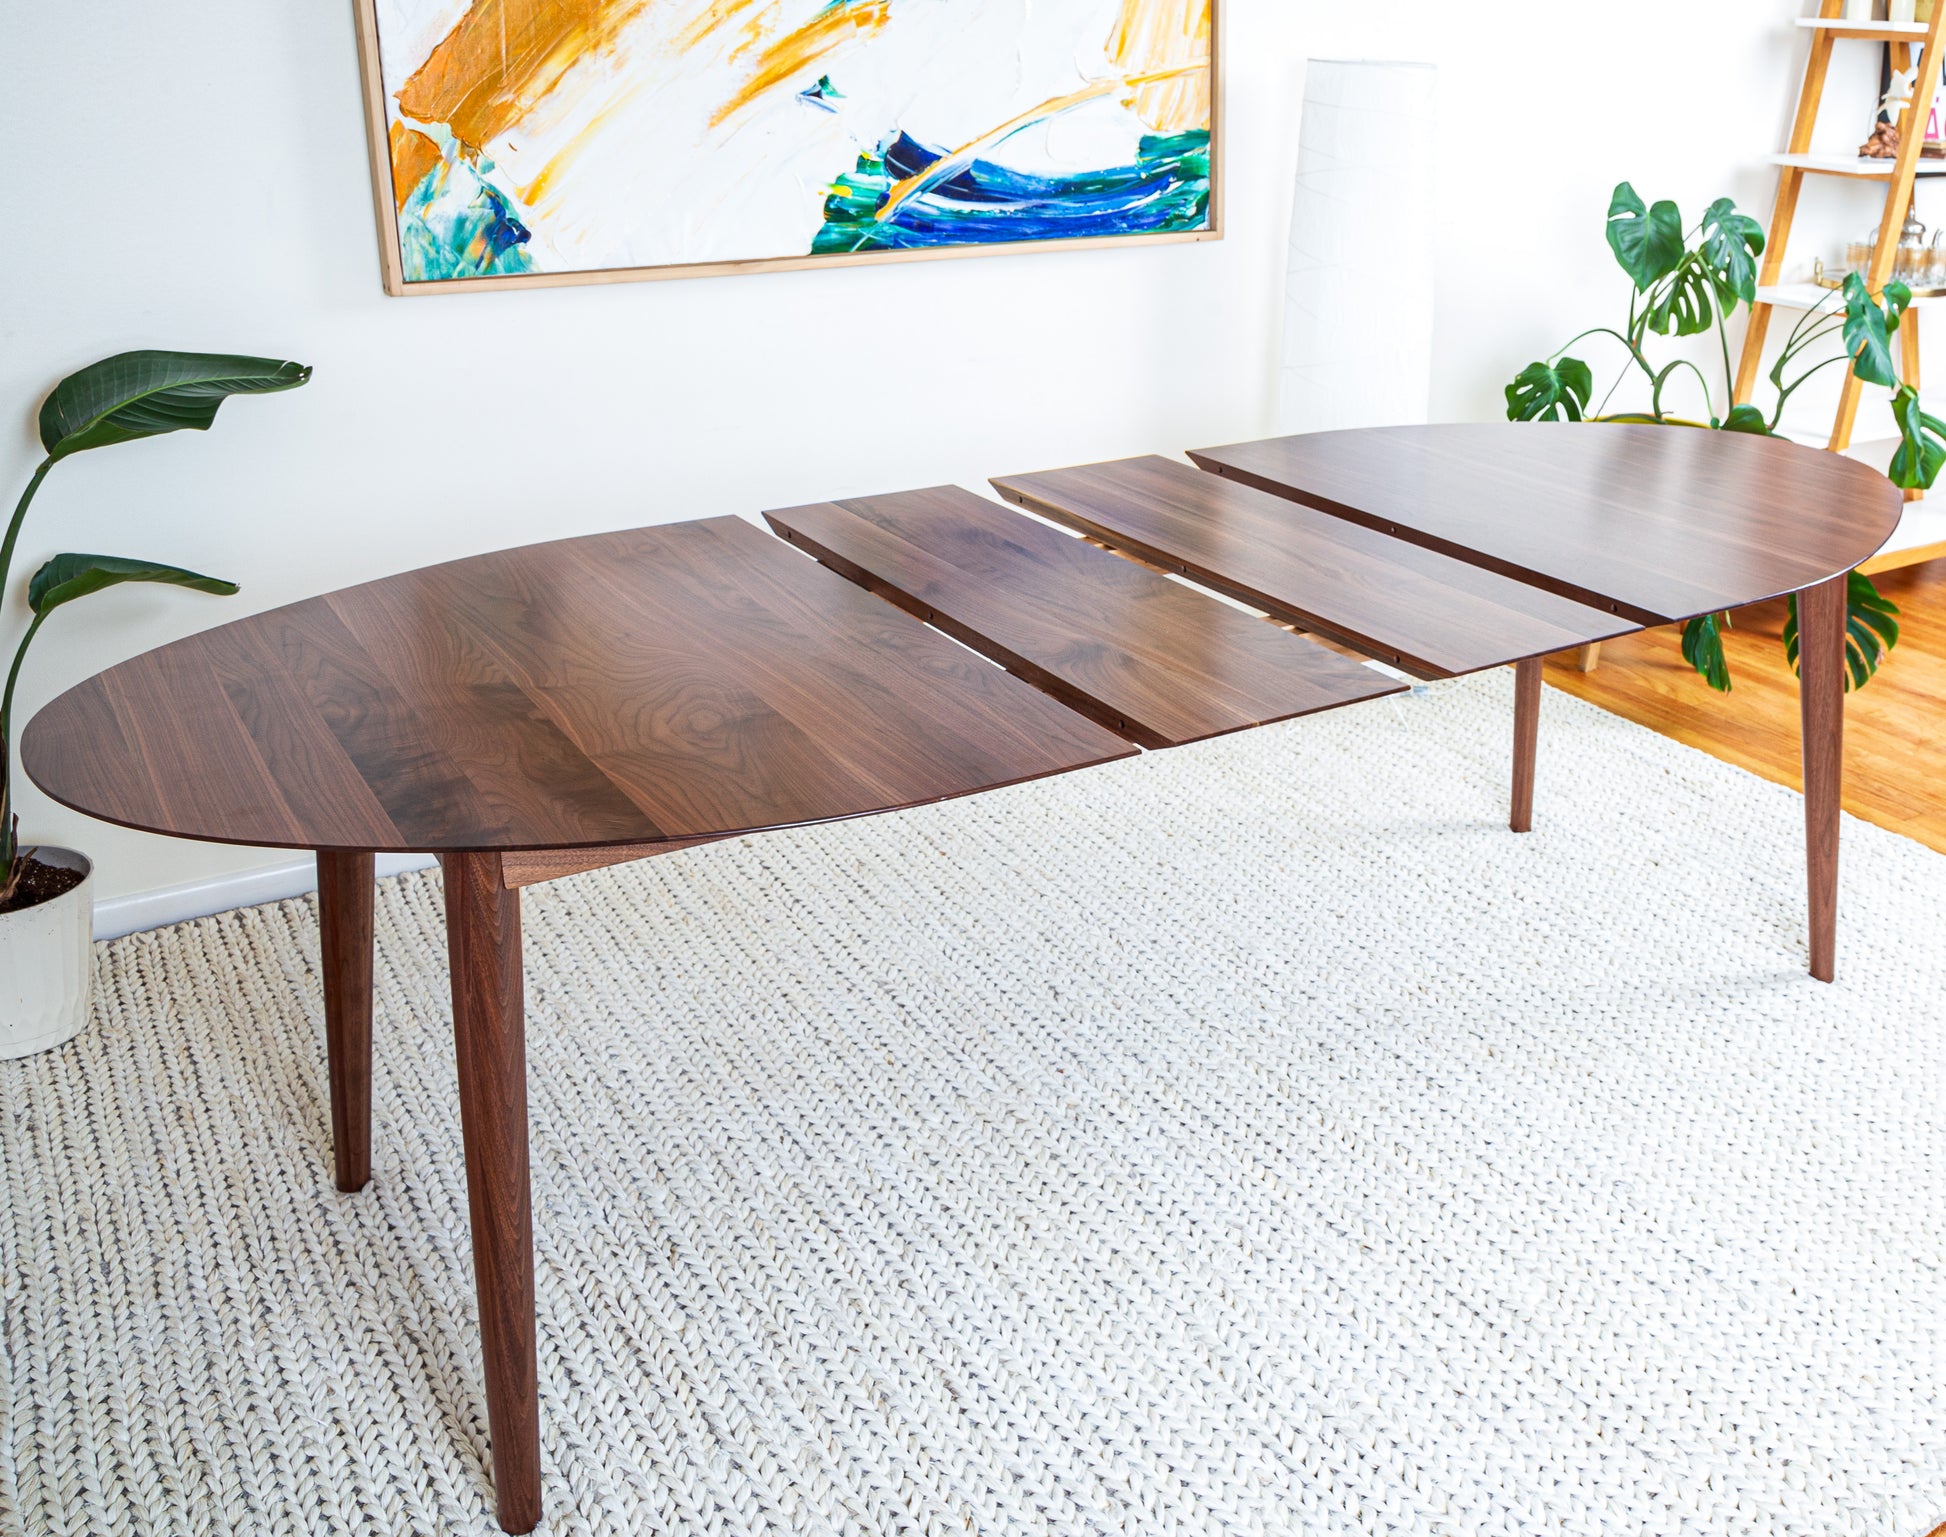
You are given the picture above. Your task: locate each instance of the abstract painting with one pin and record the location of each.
(559, 141)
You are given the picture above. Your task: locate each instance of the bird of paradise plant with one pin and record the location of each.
(129, 396)
(1689, 282)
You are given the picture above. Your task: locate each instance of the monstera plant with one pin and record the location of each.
(1688, 281)
(129, 396)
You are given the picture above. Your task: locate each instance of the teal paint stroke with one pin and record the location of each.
(458, 224)
(1166, 188)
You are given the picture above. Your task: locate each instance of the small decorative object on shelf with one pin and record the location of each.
(1882, 145)
(1904, 12)
(1858, 255)
(1885, 140)
(1858, 10)
(1914, 264)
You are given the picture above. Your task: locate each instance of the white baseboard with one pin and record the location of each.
(198, 899)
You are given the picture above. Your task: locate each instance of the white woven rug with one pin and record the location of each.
(1253, 1138)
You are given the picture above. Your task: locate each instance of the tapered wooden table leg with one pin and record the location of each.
(489, 1030)
(1821, 694)
(345, 942)
(1527, 737)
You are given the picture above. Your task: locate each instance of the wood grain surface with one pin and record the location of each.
(490, 1050)
(1417, 609)
(1148, 657)
(1655, 523)
(531, 867)
(345, 957)
(1527, 741)
(1821, 703)
(677, 683)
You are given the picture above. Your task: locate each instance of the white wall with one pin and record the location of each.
(195, 176)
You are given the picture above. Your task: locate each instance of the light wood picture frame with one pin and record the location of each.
(537, 143)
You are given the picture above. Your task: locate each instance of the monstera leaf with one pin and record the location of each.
(141, 394)
(1732, 242)
(1702, 648)
(1869, 328)
(1747, 419)
(1922, 443)
(1646, 241)
(67, 577)
(1685, 306)
(1871, 630)
(1551, 392)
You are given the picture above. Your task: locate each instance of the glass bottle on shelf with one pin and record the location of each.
(1915, 256)
(1858, 254)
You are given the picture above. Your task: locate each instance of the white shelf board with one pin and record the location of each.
(1871, 29)
(1877, 452)
(1847, 165)
(1808, 296)
(1924, 524)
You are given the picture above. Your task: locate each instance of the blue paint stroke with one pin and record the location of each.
(822, 95)
(1165, 190)
(457, 224)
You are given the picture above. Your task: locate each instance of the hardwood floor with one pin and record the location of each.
(1895, 728)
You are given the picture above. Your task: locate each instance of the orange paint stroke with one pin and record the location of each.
(538, 189)
(413, 154)
(752, 32)
(950, 165)
(715, 17)
(1153, 37)
(503, 56)
(792, 54)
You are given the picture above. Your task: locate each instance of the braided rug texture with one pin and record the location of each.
(1253, 1138)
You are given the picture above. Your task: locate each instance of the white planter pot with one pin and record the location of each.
(47, 964)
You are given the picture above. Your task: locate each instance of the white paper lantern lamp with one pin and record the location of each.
(1358, 313)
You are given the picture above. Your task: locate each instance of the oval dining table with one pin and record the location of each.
(536, 712)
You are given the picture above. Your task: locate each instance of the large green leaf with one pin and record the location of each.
(140, 394)
(1871, 630)
(1746, 419)
(1732, 242)
(1922, 443)
(1551, 392)
(1868, 331)
(1685, 305)
(1898, 298)
(1702, 648)
(1646, 241)
(67, 577)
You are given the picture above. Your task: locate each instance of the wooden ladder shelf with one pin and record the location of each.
(1828, 28)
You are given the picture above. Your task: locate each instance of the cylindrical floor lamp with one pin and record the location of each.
(1358, 307)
